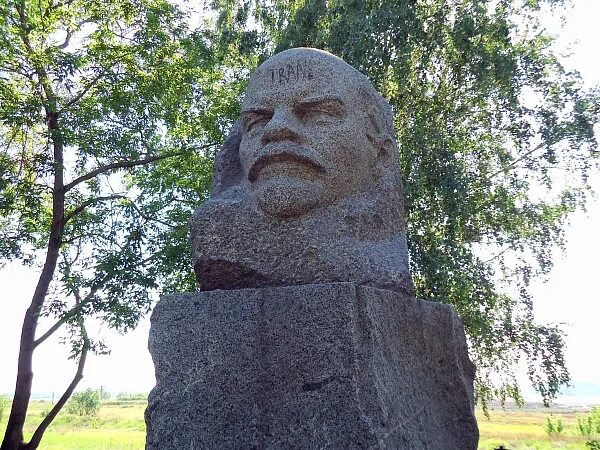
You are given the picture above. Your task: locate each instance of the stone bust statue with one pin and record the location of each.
(307, 188)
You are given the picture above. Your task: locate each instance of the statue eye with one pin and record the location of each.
(321, 111)
(254, 119)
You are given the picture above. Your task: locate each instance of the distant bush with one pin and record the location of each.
(590, 423)
(553, 427)
(85, 403)
(593, 444)
(559, 426)
(132, 396)
(585, 427)
(4, 402)
(105, 394)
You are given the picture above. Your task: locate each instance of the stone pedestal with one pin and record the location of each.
(322, 366)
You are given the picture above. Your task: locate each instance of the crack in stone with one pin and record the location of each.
(307, 387)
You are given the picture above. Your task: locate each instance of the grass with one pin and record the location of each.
(524, 429)
(120, 426)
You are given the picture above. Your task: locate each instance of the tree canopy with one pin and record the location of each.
(497, 143)
(111, 111)
(91, 92)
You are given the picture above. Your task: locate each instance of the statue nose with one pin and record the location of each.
(282, 127)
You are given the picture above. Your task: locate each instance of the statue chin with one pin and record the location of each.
(286, 198)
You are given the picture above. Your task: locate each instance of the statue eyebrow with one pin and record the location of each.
(257, 111)
(321, 99)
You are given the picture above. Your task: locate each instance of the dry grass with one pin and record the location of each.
(120, 426)
(524, 429)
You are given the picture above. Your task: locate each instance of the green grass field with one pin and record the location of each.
(120, 425)
(523, 429)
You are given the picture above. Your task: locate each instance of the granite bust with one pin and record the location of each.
(307, 188)
(306, 333)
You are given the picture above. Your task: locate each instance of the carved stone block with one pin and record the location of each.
(321, 366)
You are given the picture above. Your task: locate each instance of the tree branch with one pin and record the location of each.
(87, 203)
(515, 162)
(84, 91)
(118, 165)
(126, 164)
(66, 42)
(54, 6)
(94, 80)
(78, 307)
(39, 432)
(53, 328)
(74, 238)
(499, 254)
(151, 219)
(81, 303)
(70, 33)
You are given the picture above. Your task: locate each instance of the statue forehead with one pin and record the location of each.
(300, 73)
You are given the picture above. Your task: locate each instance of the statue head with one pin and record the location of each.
(307, 187)
(314, 130)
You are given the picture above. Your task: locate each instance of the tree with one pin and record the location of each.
(85, 403)
(497, 143)
(92, 91)
(110, 113)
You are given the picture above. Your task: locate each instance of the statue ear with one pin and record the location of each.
(228, 169)
(385, 147)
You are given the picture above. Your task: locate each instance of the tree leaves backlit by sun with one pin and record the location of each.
(111, 111)
(497, 144)
(91, 93)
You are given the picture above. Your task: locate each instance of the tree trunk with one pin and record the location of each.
(41, 429)
(13, 438)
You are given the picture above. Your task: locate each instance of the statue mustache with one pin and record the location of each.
(288, 152)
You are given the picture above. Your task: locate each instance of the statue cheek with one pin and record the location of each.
(247, 150)
(333, 139)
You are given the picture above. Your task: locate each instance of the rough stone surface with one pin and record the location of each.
(307, 188)
(322, 366)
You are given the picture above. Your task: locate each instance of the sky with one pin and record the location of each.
(570, 296)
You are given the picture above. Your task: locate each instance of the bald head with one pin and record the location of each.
(307, 188)
(317, 70)
(314, 130)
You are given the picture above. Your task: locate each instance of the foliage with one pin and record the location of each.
(85, 403)
(552, 427)
(130, 396)
(4, 402)
(589, 423)
(91, 93)
(497, 144)
(593, 444)
(549, 426)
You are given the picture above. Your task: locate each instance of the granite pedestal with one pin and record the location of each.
(321, 366)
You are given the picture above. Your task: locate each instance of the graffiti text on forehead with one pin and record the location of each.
(290, 73)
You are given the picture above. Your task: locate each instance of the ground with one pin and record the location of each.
(120, 426)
